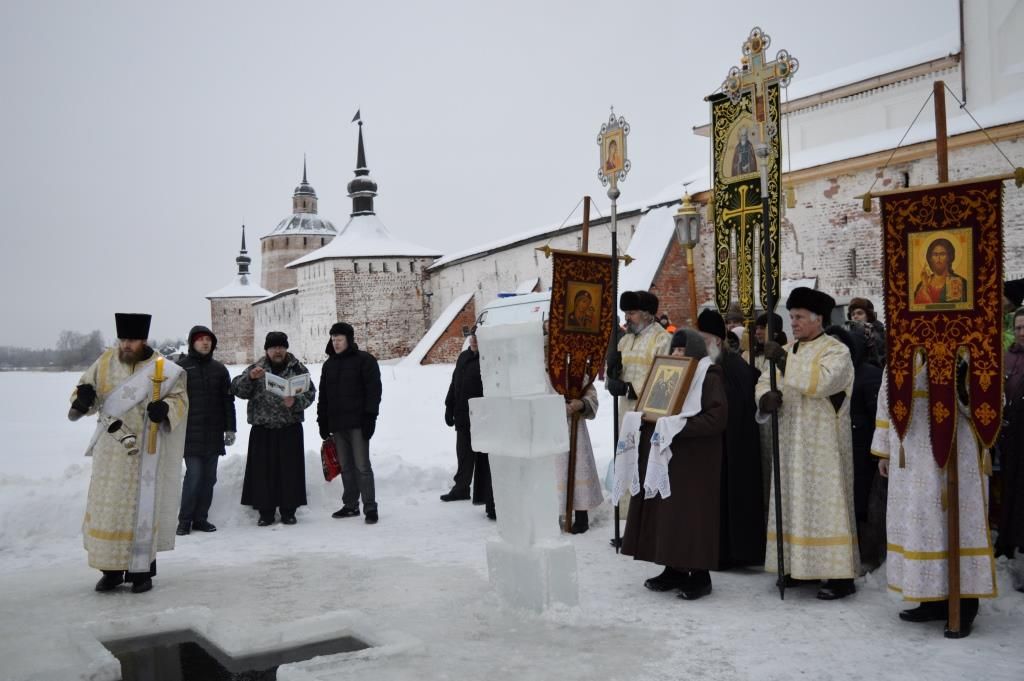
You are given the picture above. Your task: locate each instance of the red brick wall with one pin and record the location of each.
(448, 346)
(672, 286)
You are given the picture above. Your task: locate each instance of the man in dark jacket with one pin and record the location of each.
(466, 384)
(275, 468)
(347, 411)
(210, 426)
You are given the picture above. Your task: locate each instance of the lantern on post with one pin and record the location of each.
(687, 220)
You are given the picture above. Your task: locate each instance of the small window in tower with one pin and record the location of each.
(385, 266)
(398, 266)
(412, 265)
(322, 241)
(286, 242)
(239, 312)
(371, 268)
(304, 241)
(355, 267)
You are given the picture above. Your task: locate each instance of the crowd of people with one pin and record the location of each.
(843, 508)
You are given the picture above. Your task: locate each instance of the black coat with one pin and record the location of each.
(742, 525)
(350, 389)
(211, 406)
(466, 384)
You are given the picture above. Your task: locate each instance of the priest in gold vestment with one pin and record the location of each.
(815, 383)
(136, 455)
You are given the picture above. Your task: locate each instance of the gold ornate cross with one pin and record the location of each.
(756, 74)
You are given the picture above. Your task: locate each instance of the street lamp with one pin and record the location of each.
(687, 220)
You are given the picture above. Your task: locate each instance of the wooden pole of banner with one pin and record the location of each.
(952, 479)
(585, 241)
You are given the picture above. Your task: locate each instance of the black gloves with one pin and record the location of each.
(615, 386)
(770, 402)
(776, 353)
(449, 417)
(369, 425)
(84, 399)
(325, 431)
(157, 411)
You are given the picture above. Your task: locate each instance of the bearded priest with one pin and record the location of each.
(140, 400)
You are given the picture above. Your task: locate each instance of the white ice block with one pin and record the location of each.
(512, 359)
(533, 577)
(526, 499)
(519, 426)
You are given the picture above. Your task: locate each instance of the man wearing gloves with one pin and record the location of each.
(347, 411)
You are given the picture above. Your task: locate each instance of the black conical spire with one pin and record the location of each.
(362, 189)
(304, 169)
(243, 260)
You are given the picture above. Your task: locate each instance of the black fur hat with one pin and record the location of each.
(809, 299)
(276, 339)
(709, 321)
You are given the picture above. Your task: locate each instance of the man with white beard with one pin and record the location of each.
(136, 455)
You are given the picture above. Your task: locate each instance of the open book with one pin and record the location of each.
(286, 387)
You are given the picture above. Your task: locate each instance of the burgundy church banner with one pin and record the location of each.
(580, 321)
(943, 251)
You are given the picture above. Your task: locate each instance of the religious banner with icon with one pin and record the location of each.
(580, 321)
(737, 210)
(612, 143)
(943, 267)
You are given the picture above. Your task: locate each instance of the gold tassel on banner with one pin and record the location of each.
(986, 461)
(867, 203)
(1018, 177)
(903, 457)
(945, 499)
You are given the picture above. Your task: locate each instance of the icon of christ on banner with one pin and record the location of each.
(938, 256)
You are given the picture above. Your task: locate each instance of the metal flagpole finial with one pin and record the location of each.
(615, 163)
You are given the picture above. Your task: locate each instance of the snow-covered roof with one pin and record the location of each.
(435, 330)
(364, 236)
(304, 223)
(279, 294)
(527, 286)
(857, 71)
(240, 287)
(652, 237)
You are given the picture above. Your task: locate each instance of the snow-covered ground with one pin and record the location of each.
(416, 584)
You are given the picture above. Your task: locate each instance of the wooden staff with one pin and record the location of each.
(158, 378)
(952, 479)
(570, 478)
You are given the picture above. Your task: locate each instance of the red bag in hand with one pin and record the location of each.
(329, 459)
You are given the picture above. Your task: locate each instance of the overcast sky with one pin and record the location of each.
(137, 136)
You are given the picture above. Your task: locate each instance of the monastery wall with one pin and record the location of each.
(278, 313)
(231, 320)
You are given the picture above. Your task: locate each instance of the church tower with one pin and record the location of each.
(231, 313)
(304, 231)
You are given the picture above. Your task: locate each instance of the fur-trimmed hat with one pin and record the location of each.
(709, 321)
(638, 300)
(132, 325)
(808, 299)
(343, 329)
(629, 301)
(861, 304)
(276, 339)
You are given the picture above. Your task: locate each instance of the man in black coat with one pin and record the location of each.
(347, 411)
(466, 384)
(742, 524)
(210, 426)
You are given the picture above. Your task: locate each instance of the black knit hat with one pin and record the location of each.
(132, 325)
(343, 329)
(276, 339)
(808, 299)
(711, 322)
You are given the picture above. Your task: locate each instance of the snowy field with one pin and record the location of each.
(416, 584)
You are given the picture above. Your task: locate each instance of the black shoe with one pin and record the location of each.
(184, 527)
(264, 521)
(109, 582)
(346, 512)
(288, 519)
(698, 585)
(142, 586)
(968, 611)
(834, 589)
(669, 580)
(490, 513)
(581, 523)
(371, 517)
(455, 494)
(931, 611)
(203, 526)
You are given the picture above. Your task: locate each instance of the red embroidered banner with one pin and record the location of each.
(580, 324)
(943, 249)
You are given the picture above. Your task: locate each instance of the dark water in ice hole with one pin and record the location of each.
(187, 656)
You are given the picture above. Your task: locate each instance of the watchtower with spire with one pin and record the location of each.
(300, 233)
(231, 313)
